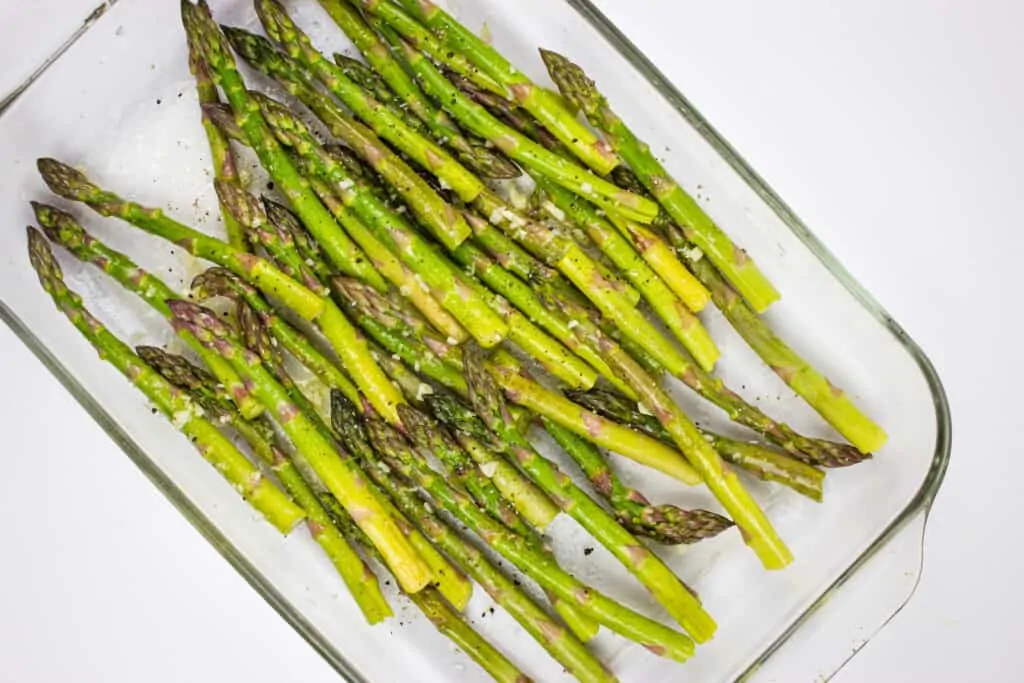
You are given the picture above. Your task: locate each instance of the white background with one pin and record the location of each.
(892, 127)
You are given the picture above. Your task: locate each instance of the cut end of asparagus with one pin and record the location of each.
(59, 226)
(65, 181)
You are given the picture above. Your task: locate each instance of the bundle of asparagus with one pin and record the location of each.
(456, 318)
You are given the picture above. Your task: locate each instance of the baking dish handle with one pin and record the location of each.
(847, 618)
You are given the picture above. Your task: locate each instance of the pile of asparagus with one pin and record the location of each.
(448, 315)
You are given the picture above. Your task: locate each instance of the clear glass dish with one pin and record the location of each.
(120, 102)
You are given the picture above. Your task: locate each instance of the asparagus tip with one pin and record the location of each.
(242, 206)
(41, 256)
(63, 180)
(579, 91)
(671, 525)
(223, 117)
(59, 226)
(217, 281)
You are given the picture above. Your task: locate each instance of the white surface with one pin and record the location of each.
(890, 127)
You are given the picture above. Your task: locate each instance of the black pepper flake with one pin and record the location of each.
(587, 551)
(159, 101)
(270, 184)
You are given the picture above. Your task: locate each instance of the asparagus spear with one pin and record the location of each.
(448, 285)
(489, 403)
(341, 477)
(730, 259)
(357, 575)
(224, 167)
(478, 158)
(62, 228)
(343, 253)
(757, 531)
(670, 309)
(388, 473)
(217, 449)
(666, 524)
(811, 450)
(476, 119)
(656, 637)
(547, 107)
(350, 347)
(760, 461)
(831, 402)
(424, 152)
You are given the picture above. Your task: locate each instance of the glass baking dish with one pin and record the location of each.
(121, 103)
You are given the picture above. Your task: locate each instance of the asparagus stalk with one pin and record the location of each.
(224, 167)
(811, 450)
(478, 120)
(531, 395)
(350, 347)
(831, 402)
(261, 54)
(656, 637)
(62, 228)
(424, 152)
(665, 524)
(670, 309)
(762, 462)
(383, 260)
(478, 158)
(732, 261)
(756, 529)
(357, 575)
(217, 449)
(489, 403)
(340, 249)
(389, 473)
(343, 479)
(544, 105)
